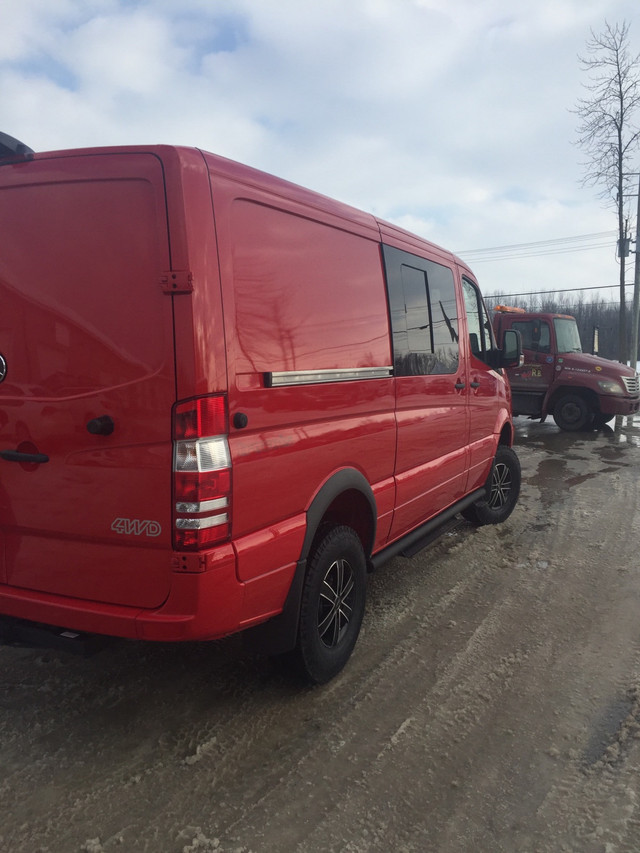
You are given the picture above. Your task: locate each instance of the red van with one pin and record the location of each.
(225, 398)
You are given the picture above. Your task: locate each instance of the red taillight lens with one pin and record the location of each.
(204, 416)
(202, 473)
(194, 487)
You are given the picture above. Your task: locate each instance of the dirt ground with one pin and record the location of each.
(492, 703)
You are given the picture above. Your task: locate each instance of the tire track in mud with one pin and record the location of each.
(417, 726)
(461, 722)
(223, 742)
(469, 711)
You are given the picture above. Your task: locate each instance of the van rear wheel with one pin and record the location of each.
(503, 489)
(332, 607)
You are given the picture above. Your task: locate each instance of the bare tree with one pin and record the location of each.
(609, 131)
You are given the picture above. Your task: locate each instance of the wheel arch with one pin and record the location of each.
(345, 498)
(506, 435)
(588, 395)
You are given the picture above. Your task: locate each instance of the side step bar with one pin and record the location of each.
(415, 541)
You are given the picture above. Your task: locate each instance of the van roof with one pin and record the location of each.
(251, 176)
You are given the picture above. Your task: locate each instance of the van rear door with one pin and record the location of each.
(85, 405)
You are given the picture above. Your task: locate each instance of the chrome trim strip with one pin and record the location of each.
(314, 377)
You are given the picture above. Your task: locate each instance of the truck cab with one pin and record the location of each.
(557, 378)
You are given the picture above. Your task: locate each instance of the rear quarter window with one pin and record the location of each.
(307, 295)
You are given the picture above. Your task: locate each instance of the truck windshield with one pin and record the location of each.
(567, 335)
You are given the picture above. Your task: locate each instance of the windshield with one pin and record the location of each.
(567, 335)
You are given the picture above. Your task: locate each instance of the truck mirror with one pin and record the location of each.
(511, 355)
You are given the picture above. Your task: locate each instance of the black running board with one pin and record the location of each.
(409, 545)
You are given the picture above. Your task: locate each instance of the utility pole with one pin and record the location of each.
(633, 360)
(636, 289)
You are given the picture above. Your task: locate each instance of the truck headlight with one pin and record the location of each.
(610, 386)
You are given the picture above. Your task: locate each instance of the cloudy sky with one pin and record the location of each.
(449, 117)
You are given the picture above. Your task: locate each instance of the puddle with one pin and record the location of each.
(605, 730)
(610, 444)
(552, 480)
(614, 729)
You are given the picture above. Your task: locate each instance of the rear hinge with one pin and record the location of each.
(177, 281)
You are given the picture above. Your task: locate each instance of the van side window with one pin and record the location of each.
(424, 316)
(535, 334)
(307, 295)
(480, 336)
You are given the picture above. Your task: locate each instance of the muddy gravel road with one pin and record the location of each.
(492, 703)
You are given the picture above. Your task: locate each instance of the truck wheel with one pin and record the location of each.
(332, 607)
(503, 490)
(571, 413)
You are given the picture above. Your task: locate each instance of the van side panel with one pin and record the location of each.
(303, 290)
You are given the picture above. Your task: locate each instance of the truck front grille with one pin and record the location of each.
(632, 383)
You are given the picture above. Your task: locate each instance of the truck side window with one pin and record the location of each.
(480, 337)
(424, 316)
(535, 334)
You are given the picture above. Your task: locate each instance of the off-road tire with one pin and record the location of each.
(503, 489)
(332, 608)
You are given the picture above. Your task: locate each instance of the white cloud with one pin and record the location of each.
(132, 54)
(449, 116)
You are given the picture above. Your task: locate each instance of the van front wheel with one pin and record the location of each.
(503, 489)
(332, 607)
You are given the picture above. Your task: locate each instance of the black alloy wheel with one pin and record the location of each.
(503, 490)
(332, 609)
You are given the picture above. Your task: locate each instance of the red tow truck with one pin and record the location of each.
(557, 378)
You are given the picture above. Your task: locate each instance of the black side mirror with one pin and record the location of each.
(511, 352)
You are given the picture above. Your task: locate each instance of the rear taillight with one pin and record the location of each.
(201, 473)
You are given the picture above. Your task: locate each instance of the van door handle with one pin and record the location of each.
(103, 425)
(459, 386)
(16, 456)
(475, 384)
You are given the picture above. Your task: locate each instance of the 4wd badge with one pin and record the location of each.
(136, 527)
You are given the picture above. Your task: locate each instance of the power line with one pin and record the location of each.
(557, 246)
(579, 237)
(553, 292)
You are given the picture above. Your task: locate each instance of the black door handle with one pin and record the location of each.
(475, 384)
(16, 456)
(103, 425)
(459, 386)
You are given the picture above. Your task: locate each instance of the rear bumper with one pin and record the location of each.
(202, 605)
